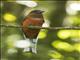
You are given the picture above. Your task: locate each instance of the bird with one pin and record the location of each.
(34, 18)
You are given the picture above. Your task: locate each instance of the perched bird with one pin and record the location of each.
(34, 18)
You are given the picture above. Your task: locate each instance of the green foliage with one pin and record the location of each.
(52, 44)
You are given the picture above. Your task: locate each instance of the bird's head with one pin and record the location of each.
(37, 11)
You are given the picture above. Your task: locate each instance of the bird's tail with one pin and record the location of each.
(33, 46)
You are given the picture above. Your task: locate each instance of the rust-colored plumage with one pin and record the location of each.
(32, 33)
(34, 18)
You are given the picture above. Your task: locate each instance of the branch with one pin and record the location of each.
(38, 27)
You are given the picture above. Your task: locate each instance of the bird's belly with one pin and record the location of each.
(31, 33)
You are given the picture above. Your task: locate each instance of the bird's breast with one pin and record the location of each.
(31, 33)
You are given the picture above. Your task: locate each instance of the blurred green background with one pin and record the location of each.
(52, 44)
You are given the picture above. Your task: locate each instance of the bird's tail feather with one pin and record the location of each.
(33, 47)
